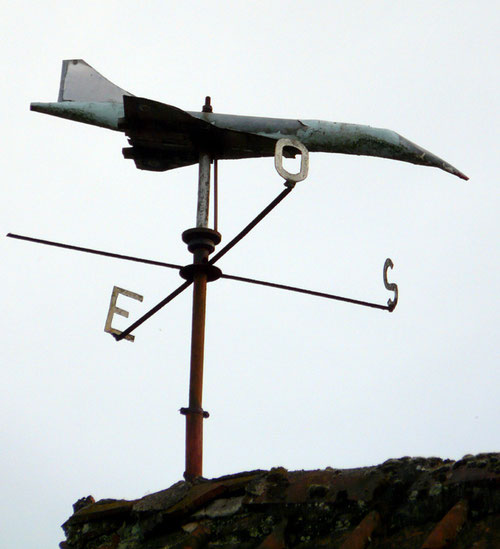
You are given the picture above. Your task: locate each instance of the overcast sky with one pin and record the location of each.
(290, 380)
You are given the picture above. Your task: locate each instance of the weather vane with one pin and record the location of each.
(163, 137)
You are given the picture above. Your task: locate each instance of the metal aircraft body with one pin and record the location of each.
(163, 137)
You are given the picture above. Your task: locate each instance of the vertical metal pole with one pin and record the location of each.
(203, 191)
(194, 417)
(216, 195)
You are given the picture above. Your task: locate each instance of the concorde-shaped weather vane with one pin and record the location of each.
(163, 137)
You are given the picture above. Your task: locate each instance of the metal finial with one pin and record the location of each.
(207, 107)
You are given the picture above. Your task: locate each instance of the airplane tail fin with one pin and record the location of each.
(81, 82)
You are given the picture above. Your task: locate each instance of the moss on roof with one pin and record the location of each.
(406, 503)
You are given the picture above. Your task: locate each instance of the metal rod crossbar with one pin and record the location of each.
(201, 242)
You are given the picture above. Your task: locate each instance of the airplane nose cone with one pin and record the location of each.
(426, 158)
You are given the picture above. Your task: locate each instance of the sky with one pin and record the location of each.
(290, 380)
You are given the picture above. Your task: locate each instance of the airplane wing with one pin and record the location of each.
(164, 137)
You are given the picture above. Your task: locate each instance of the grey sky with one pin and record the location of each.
(289, 380)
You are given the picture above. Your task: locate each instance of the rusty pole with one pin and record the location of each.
(195, 414)
(194, 419)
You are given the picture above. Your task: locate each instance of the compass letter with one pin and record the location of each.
(113, 309)
(391, 303)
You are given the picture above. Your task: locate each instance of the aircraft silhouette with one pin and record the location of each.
(163, 137)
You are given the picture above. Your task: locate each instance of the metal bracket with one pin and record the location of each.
(391, 303)
(186, 411)
(291, 178)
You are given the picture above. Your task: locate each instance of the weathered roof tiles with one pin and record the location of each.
(407, 503)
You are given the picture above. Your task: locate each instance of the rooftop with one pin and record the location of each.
(406, 503)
